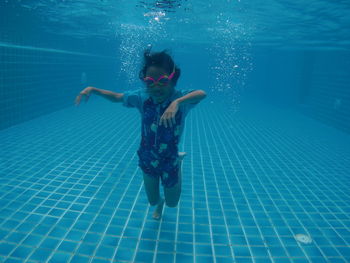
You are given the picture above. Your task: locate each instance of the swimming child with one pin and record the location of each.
(163, 110)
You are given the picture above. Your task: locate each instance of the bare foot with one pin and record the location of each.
(182, 155)
(159, 209)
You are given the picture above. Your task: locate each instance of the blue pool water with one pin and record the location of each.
(266, 175)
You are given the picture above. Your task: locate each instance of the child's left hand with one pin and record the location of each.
(168, 117)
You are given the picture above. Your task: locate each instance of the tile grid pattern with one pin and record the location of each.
(249, 187)
(37, 81)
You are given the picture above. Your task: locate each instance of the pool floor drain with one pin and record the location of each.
(303, 238)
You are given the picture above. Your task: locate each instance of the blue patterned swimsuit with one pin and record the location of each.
(158, 152)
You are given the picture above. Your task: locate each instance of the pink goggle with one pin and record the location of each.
(162, 80)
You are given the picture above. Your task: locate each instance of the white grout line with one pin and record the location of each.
(43, 217)
(192, 188)
(205, 186)
(214, 141)
(292, 156)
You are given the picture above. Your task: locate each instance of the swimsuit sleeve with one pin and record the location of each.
(132, 99)
(187, 106)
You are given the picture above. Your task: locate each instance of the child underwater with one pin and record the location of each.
(163, 110)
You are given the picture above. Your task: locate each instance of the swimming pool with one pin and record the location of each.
(265, 178)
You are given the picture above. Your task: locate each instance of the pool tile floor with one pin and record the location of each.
(259, 185)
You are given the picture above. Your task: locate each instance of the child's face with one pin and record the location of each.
(159, 92)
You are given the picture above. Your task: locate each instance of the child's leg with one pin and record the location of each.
(152, 188)
(172, 195)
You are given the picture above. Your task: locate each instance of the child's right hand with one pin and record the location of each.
(84, 93)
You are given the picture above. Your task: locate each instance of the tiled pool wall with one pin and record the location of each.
(36, 81)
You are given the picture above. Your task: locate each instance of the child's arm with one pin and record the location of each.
(168, 117)
(193, 97)
(107, 94)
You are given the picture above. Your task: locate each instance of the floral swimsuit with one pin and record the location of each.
(158, 152)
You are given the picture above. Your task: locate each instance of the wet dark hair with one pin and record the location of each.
(159, 59)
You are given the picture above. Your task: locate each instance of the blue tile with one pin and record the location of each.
(56, 212)
(57, 232)
(86, 249)
(185, 237)
(50, 221)
(167, 236)
(32, 240)
(110, 241)
(144, 256)
(42, 210)
(92, 238)
(222, 250)
(224, 259)
(184, 258)
(41, 255)
(339, 260)
(329, 251)
(263, 260)
(65, 222)
(312, 251)
(295, 251)
(282, 260)
(288, 241)
(81, 225)
(16, 237)
(185, 228)
(49, 203)
(277, 251)
(49, 243)
(241, 251)
(165, 257)
(59, 257)
(80, 259)
(300, 260)
(41, 230)
(344, 251)
(186, 248)
(3, 233)
(15, 260)
(77, 207)
(124, 254)
(259, 251)
(147, 244)
(202, 238)
(67, 246)
(10, 224)
(128, 243)
(70, 216)
(75, 235)
(272, 241)
(98, 260)
(255, 241)
(62, 205)
(236, 231)
(204, 259)
(22, 252)
(34, 218)
(168, 247)
(204, 249)
(105, 252)
(132, 232)
(20, 215)
(98, 228)
(238, 241)
(149, 234)
(318, 259)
